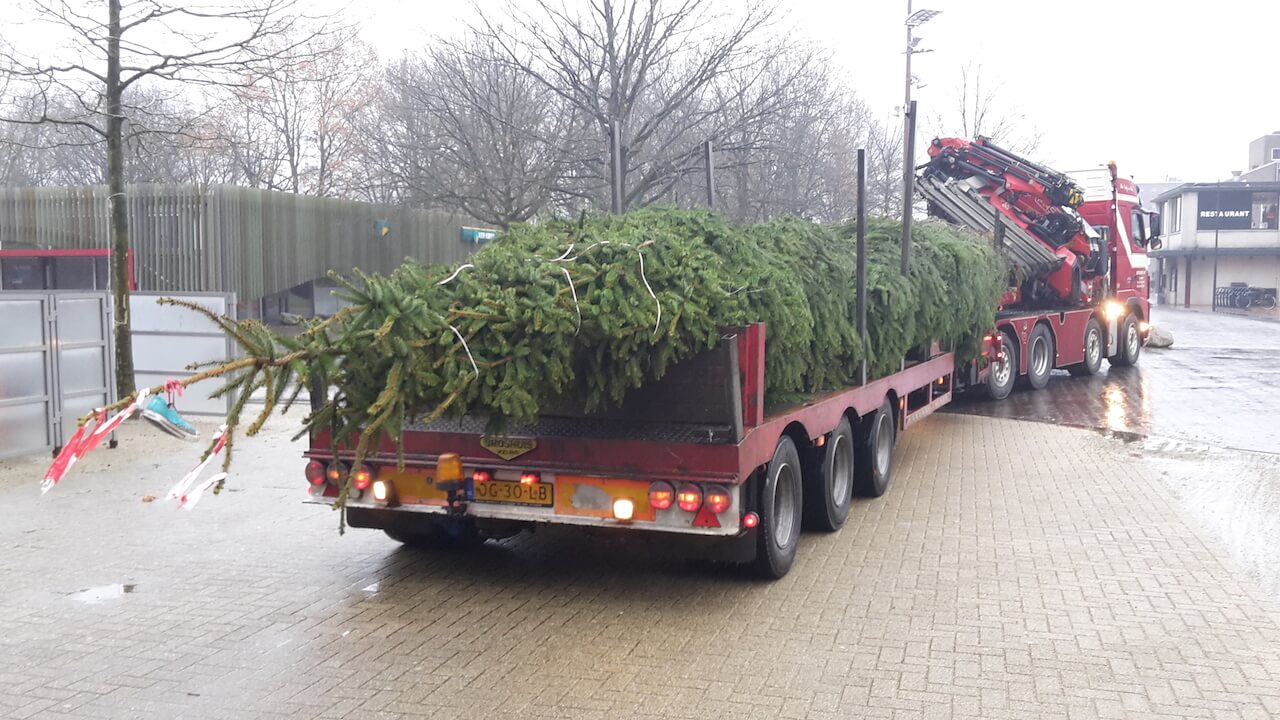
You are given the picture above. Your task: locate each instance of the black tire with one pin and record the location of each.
(441, 535)
(781, 511)
(1266, 302)
(1092, 351)
(1003, 374)
(1040, 357)
(873, 464)
(828, 491)
(1130, 343)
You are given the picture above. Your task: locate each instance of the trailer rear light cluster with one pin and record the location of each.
(661, 495)
(315, 473)
(335, 472)
(717, 499)
(689, 499)
(481, 476)
(362, 478)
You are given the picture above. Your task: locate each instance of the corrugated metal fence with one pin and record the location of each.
(217, 238)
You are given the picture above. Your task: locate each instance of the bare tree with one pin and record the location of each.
(480, 135)
(648, 66)
(295, 131)
(791, 143)
(977, 109)
(106, 55)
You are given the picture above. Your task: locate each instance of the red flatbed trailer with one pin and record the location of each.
(737, 477)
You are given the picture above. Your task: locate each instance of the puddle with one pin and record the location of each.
(102, 593)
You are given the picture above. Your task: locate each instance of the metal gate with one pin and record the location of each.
(55, 365)
(167, 338)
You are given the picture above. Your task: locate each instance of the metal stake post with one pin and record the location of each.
(708, 158)
(615, 164)
(861, 261)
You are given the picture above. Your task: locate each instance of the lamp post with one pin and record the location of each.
(914, 20)
(1217, 223)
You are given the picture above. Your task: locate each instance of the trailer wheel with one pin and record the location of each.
(829, 489)
(1092, 351)
(874, 459)
(1004, 372)
(1130, 343)
(1040, 355)
(781, 511)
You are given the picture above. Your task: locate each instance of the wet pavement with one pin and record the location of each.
(1204, 414)
(1013, 570)
(1219, 385)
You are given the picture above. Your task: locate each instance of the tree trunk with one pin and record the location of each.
(119, 220)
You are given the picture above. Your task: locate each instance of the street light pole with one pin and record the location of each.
(914, 20)
(1217, 223)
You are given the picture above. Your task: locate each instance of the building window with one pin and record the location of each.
(1266, 205)
(1275, 153)
(1173, 215)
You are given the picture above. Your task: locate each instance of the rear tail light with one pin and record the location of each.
(718, 499)
(315, 472)
(530, 478)
(750, 520)
(624, 509)
(661, 495)
(361, 478)
(689, 498)
(335, 472)
(481, 476)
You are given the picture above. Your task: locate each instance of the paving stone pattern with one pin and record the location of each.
(1014, 570)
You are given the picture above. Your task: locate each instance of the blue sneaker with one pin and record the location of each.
(164, 416)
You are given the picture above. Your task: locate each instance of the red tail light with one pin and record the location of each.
(362, 478)
(530, 478)
(481, 476)
(750, 520)
(335, 472)
(718, 499)
(315, 472)
(689, 498)
(661, 495)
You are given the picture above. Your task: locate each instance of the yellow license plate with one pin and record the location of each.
(501, 491)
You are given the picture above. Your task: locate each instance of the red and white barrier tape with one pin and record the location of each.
(85, 440)
(188, 492)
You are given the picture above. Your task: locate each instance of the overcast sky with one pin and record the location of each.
(1168, 90)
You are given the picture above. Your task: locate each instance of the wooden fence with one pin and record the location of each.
(217, 238)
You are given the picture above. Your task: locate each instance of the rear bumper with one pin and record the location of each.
(671, 521)
(738, 548)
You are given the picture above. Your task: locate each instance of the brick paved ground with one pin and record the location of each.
(1065, 586)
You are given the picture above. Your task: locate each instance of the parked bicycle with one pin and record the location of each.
(1242, 296)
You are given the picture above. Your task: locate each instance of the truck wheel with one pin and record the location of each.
(781, 511)
(1040, 357)
(874, 459)
(1092, 351)
(1130, 343)
(1002, 375)
(829, 490)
